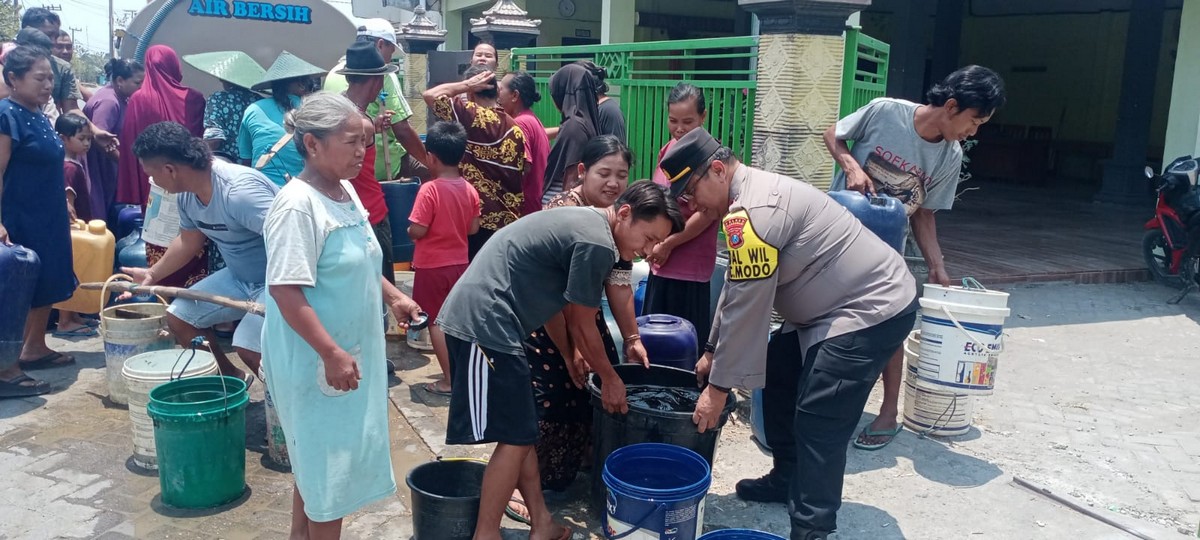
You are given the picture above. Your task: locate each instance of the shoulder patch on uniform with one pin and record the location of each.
(750, 258)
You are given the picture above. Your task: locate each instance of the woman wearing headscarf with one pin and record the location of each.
(106, 110)
(162, 98)
(573, 88)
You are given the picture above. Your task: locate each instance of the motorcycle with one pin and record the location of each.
(1171, 244)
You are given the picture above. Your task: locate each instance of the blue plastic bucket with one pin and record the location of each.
(655, 492)
(740, 534)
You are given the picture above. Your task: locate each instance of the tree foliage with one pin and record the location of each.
(10, 21)
(89, 65)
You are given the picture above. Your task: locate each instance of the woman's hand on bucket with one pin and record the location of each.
(635, 353)
(341, 371)
(612, 394)
(708, 408)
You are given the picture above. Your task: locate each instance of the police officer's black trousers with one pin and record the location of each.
(809, 422)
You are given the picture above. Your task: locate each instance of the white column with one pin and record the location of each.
(1183, 121)
(617, 21)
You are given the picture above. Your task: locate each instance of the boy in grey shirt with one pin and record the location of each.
(913, 153)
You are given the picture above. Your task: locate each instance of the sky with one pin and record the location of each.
(90, 18)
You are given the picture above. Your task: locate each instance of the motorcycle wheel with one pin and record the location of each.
(1158, 258)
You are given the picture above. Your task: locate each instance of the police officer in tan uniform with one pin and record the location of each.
(848, 301)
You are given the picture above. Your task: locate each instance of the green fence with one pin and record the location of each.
(864, 73)
(641, 75)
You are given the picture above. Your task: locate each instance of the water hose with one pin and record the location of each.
(152, 27)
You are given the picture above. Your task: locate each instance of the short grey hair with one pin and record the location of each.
(320, 114)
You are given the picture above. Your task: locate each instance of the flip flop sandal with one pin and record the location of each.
(49, 361)
(93, 323)
(867, 431)
(15, 388)
(82, 331)
(515, 515)
(432, 389)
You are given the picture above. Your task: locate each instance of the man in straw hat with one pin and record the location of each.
(263, 143)
(405, 155)
(847, 300)
(224, 109)
(365, 71)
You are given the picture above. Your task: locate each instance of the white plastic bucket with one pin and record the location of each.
(126, 337)
(960, 346)
(932, 413)
(970, 296)
(145, 372)
(936, 413)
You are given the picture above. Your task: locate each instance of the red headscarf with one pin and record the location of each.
(162, 98)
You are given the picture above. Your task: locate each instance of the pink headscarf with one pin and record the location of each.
(162, 98)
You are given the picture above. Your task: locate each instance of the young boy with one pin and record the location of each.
(76, 134)
(445, 212)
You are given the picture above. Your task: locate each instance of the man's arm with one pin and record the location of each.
(581, 327)
(856, 178)
(184, 248)
(924, 227)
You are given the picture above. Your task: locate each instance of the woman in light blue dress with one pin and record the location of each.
(323, 343)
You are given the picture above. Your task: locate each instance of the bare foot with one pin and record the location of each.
(557, 532)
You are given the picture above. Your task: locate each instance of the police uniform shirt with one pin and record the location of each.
(793, 247)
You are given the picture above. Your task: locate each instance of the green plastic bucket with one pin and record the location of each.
(200, 436)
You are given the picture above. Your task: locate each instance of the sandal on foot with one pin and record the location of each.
(17, 387)
(515, 512)
(82, 331)
(431, 387)
(49, 361)
(868, 432)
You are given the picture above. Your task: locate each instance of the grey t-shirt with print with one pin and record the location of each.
(527, 272)
(921, 174)
(233, 218)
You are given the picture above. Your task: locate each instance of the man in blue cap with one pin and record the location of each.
(847, 301)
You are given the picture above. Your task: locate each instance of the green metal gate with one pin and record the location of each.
(641, 75)
(864, 72)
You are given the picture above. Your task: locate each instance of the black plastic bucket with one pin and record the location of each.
(613, 431)
(445, 498)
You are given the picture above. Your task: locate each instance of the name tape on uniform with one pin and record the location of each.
(750, 258)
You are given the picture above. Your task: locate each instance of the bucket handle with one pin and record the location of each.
(970, 283)
(959, 326)
(948, 413)
(196, 343)
(639, 524)
(104, 295)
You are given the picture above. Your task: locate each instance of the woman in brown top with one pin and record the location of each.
(495, 162)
